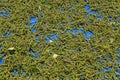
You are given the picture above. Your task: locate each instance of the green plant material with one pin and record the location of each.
(78, 58)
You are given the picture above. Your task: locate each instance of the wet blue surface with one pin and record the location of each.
(117, 72)
(30, 25)
(92, 12)
(33, 20)
(6, 34)
(47, 40)
(62, 10)
(33, 53)
(110, 18)
(23, 73)
(87, 8)
(69, 31)
(118, 20)
(1, 59)
(99, 70)
(1, 13)
(4, 13)
(87, 34)
(99, 17)
(37, 37)
(14, 72)
(33, 29)
(107, 68)
(118, 59)
(75, 31)
(81, 30)
(118, 50)
(113, 26)
(52, 37)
